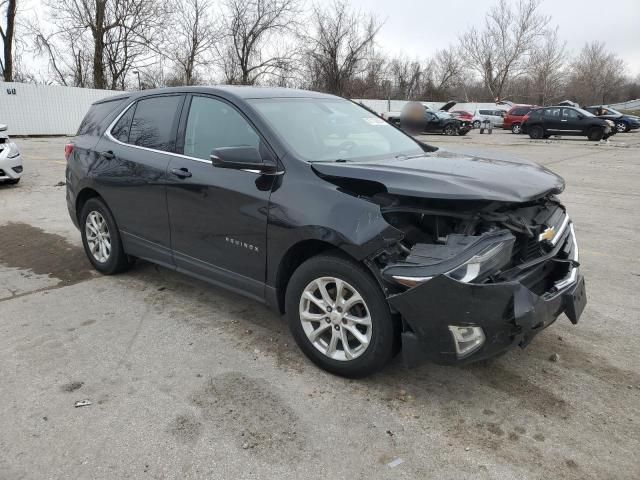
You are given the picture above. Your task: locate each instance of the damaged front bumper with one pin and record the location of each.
(508, 313)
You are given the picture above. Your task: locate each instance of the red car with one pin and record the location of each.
(462, 115)
(515, 116)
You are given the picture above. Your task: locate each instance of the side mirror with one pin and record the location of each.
(241, 158)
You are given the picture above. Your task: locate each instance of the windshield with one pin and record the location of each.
(326, 129)
(584, 112)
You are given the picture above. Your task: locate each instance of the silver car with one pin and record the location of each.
(10, 159)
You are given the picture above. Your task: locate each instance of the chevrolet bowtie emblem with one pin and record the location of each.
(548, 234)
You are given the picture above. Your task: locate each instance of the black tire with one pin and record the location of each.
(384, 332)
(516, 129)
(117, 260)
(476, 124)
(536, 132)
(622, 127)
(595, 134)
(449, 129)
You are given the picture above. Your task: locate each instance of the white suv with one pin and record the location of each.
(10, 159)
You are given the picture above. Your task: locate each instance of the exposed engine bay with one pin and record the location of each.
(439, 236)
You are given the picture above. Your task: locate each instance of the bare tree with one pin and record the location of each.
(406, 77)
(499, 51)
(254, 34)
(112, 34)
(447, 68)
(7, 31)
(340, 46)
(195, 39)
(596, 74)
(71, 67)
(547, 69)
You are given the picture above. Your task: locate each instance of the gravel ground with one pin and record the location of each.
(186, 380)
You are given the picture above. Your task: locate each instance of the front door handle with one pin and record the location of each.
(108, 155)
(181, 172)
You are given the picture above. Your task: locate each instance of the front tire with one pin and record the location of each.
(101, 238)
(476, 124)
(516, 128)
(449, 130)
(536, 132)
(339, 317)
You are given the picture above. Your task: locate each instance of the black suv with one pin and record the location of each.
(558, 120)
(367, 240)
(416, 119)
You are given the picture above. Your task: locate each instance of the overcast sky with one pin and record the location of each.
(419, 27)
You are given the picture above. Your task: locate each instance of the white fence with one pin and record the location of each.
(29, 109)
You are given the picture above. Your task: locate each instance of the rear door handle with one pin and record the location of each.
(108, 155)
(181, 172)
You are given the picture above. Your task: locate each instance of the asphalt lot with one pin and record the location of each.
(189, 381)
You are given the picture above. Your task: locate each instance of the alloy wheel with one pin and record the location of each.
(516, 128)
(335, 318)
(98, 236)
(621, 127)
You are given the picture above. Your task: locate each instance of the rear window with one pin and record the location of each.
(97, 112)
(153, 124)
(520, 111)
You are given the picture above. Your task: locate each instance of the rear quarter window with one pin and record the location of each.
(92, 123)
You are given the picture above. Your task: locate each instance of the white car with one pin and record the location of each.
(10, 159)
(495, 116)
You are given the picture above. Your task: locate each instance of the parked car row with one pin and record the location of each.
(10, 159)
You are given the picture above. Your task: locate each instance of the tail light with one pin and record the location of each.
(68, 149)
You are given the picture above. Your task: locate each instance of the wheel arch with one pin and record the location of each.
(299, 253)
(83, 196)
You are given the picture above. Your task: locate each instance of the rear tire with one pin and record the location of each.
(98, 228)
(516, 128)
(316, 337)
(595, 134)
(536, 132)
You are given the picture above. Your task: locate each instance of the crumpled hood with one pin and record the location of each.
(451, 176)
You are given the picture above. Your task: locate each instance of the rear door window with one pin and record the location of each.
(154, 122)
(215, 124)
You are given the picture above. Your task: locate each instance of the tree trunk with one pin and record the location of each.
(8, 41)
(99, 80)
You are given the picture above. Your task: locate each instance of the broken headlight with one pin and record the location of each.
(483, 264)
